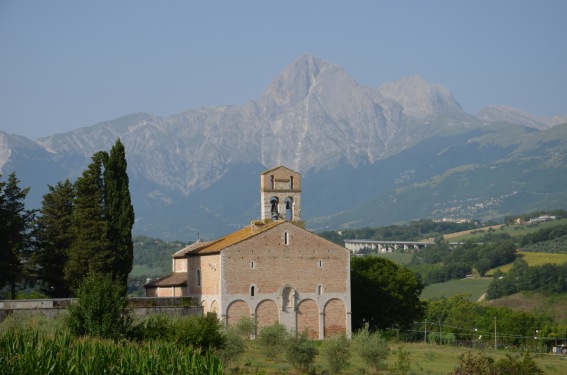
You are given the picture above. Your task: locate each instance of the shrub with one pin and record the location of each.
(100, 310)
(336, 353)
(199, 331)
(402, 365)
(301, 352)
(272, 340)
(154, 327)
(246, 327)
(372, 349)
(482, 364)
(233, 347)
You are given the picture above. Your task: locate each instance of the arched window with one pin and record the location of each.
(320, 263)
(319, 289)
(198, 277)
(286, 238)
(252, 290)
(291, 182)
(272, 182)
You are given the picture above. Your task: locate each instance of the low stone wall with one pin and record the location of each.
(139, 306)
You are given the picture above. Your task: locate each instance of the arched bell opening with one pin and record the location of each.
(274, 202)
(288, 209)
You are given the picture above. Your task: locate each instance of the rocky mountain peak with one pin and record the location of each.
(419, 98)
(296, 82)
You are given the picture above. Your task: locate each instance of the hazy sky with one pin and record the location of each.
(70, 64)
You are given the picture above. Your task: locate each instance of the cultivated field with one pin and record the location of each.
(475, 287)
(535, 259)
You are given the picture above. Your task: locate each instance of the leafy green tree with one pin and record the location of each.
(119, 212)
(100, 309)
(384, 294)
(272, 340)
(300, 352)
(54, 238)
(15, 226)
(336, 353)
(246, 327)
(372, 349)
(89, 252)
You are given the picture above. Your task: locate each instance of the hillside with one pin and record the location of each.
(552, 306)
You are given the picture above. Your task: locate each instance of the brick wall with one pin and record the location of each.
(306, 262)
(209, 267)
(237, 310)
(335, 315)
(315, 269)
(308, 318)
(267, 313)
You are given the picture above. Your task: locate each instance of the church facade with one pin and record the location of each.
(273, 270)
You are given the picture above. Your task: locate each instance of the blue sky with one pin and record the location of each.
(70, 64)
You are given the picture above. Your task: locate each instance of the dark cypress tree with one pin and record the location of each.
(15, 239)
(54, 238)
(89, 252)
(120, 213)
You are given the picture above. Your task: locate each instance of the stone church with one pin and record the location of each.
(273, 270)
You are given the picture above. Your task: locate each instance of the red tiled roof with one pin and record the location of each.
(215, 247)
(175, 279)
(194, 246)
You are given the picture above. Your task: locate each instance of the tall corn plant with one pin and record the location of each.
(30, 353)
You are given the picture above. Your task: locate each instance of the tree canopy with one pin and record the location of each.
(384, 294)
(102, 220)
(15, 225)
(54, 238)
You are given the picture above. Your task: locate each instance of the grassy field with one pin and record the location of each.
(535, 259)
(425, 359)
(476, 287)
(514, 230)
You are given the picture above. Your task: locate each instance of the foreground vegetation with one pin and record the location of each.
(421, 358)
(41, 345)
(29, 353)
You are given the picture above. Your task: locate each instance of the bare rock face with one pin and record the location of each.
(501, 113)
(418, 98)
(312, 116)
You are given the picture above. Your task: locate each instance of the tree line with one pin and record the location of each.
(82, 228)
(438, 263)
(548, 279)
(413, 231)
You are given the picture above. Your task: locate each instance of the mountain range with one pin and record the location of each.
(368, 156)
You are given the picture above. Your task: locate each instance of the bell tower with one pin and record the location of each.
(280, 194)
